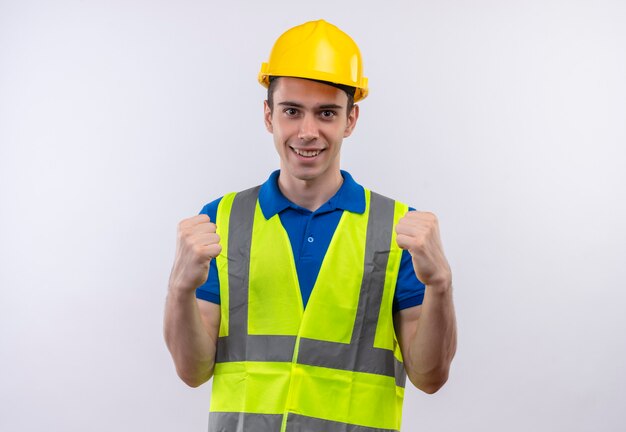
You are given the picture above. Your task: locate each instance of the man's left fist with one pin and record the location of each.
(418, 232)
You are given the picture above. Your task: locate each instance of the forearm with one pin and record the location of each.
(433, 345)
(191, 346)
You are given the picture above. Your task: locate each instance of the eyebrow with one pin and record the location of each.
(299, 105)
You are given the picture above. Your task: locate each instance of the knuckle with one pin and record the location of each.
(183, 234)
(431, 216)
(214, 250)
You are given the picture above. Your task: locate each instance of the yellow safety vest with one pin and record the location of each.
(335, 366)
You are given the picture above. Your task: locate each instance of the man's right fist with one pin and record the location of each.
(197, 243)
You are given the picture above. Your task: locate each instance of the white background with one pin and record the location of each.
(505, 118)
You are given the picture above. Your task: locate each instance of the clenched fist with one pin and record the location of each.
(197, 243)
(418, 232)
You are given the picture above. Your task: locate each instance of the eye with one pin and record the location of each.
(291, 112)
(328, 114)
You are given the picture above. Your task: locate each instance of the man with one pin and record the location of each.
(303, 297)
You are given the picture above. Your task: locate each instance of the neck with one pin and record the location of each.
(309, 194)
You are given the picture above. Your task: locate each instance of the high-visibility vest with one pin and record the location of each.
(335, 366)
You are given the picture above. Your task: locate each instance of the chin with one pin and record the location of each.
(304, 175)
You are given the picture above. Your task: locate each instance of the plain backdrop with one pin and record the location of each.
(505, 118)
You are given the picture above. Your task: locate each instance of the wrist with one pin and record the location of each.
(441, 285)
(180, 293)
(181, 285)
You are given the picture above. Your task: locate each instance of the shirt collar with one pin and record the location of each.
(350, 197)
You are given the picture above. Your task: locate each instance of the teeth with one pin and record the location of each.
(307, 153)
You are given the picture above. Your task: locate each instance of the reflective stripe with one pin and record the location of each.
(300, 423)
(238, 345)
(255, 348)
(239, 241)
(377, 246)
(247, 422)
(361, 355)
(244, 422)
(357, 357)
(399, 373)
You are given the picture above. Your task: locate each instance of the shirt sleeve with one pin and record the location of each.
(210, 290)
(409, 289)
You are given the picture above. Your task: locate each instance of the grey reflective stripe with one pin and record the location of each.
(244, 422)
(239, 241)
(247, 422)
(300, 423)
(361, 355)
(399, 372)
(255, 348)
(358, 357)
(238, 345)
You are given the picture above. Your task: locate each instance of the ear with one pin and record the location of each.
(267, 117)
(352, 118)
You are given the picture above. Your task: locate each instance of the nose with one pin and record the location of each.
(308, 128)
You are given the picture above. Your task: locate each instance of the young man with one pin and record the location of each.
(309, 298)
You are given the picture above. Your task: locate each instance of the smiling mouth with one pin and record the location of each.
(306, 153)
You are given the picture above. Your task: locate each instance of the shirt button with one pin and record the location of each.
(310, 239)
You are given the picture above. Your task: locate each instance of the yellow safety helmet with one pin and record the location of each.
(317, 50)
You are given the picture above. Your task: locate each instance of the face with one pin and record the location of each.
(309, 122)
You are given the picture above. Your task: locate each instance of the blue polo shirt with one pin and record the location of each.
(310, 234)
